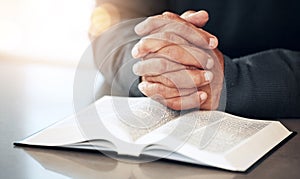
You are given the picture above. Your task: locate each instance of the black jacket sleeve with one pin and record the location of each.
(264, 85)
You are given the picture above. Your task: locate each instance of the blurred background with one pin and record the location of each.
(45, 30)
(41, 44)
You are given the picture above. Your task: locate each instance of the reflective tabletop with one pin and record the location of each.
(34, 96)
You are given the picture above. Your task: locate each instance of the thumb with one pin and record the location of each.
(199, 18)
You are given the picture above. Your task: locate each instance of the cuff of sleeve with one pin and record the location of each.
(230, 81)
(134, 90)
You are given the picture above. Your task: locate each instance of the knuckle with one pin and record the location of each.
(173, 52)
(185, 27)
(167, 51)
(170, 15)
(167, 35)
(151, 19)
(166, 12)
(198, 77)
(171, 36)
(193, 79)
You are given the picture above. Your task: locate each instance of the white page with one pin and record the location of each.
(183, 126)
(135, 117)
(207, 137)
(105, 120)
(226, 134)
(83, 126)
(212, 131)
(61, 133)
(250, 150)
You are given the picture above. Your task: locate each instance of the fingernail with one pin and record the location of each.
(135, 69)
(210, 63)
(135, 51)
(213, 42)
(203, 96)
(208, 76)
(138, 29)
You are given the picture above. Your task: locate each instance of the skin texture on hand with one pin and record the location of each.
(180, 65)
(169, 22)
(183, 54)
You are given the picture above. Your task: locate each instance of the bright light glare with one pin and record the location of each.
(102, 18)
(10, 35)
(49, 29)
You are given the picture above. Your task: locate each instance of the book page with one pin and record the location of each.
(183, 126)
(211, 131)
(109, 119)
(58, 134)
(225, 134)
(134, 116)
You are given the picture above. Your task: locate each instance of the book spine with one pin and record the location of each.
(131, 149)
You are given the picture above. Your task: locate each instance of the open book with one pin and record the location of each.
(141, 126)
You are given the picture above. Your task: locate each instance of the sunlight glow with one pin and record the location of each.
(47, 29)
(102, 18)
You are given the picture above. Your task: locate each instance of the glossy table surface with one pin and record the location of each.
(34, 96)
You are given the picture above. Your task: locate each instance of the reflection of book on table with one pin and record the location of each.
(141, 126)
(91, 165)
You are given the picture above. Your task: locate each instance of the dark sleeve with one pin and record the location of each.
(264, 85)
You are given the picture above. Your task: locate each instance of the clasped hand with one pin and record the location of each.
(180, 65)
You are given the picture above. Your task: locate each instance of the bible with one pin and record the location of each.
(138, 127)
